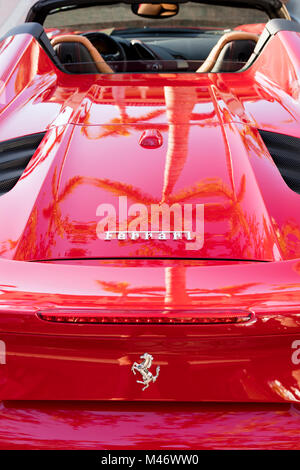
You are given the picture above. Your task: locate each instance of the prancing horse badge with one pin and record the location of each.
(143, 369)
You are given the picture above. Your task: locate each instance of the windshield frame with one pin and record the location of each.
(41, 8)
(118, 18)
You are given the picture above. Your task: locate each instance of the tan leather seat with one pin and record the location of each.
(220, 49)
(78, 55)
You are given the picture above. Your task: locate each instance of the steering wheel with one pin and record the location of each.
(110, 49)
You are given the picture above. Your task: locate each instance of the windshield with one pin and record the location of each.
(121, 16)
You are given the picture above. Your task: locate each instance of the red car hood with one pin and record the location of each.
(91, 159)
(107, 170)
(203, 164)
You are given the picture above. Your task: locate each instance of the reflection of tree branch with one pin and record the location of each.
(121, 126)
(176, 291)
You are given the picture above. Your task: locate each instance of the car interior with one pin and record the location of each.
(155, 38)
(84, 53)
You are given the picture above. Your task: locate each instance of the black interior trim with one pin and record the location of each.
(285, 151)
(272, 28)
(279, 24)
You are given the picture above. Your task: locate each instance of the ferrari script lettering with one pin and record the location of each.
(155, 221)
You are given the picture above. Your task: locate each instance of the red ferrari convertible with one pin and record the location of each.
(150, 225)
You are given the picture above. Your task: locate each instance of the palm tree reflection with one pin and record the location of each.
(179, 104)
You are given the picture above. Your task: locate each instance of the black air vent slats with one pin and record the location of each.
(285, 151)
(15, 155)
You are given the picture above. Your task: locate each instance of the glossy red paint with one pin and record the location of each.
(91, 154)
(88, 123)
(102, 426)
(233, 362)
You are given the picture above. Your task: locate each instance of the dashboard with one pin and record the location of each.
(155, 50)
